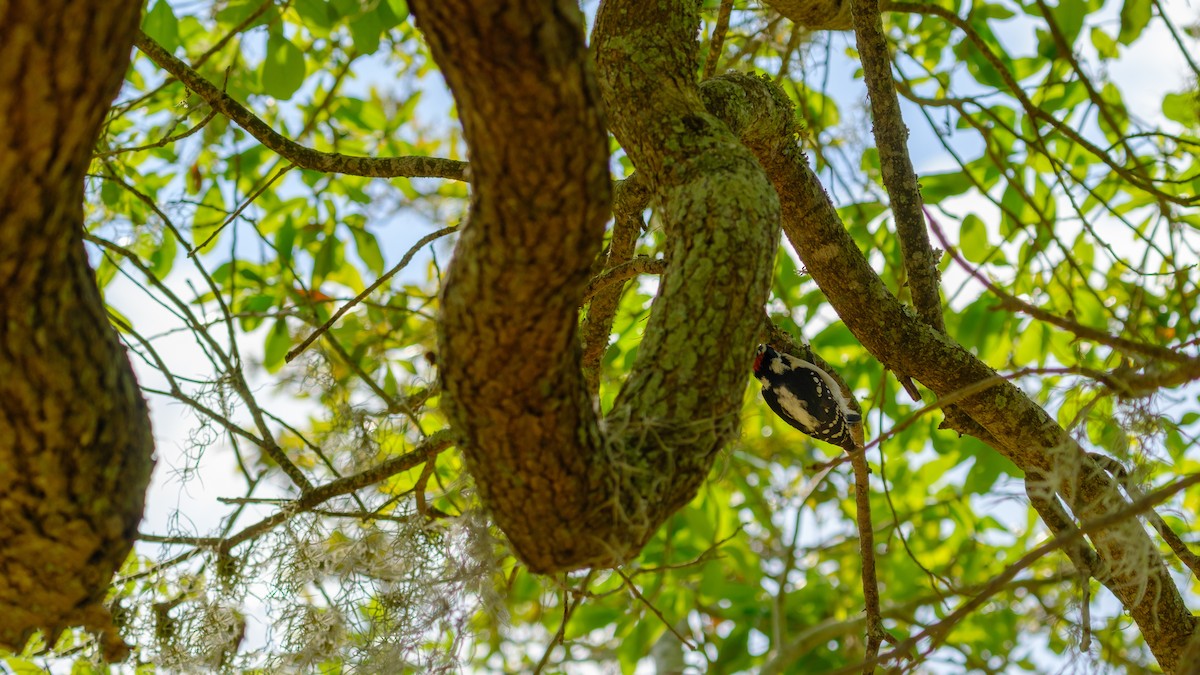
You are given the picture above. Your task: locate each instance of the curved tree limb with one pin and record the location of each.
(567, 491)
(1017, 427)
(681, 402)
(508, 345)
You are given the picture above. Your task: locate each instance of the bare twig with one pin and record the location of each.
(1031, 109)
(432, 236)
(1181, 550)
(638, 594)
(425, 451)
(161, 142)
(642, 264)
(267, 441)
(866, 547)
(568, 609)
(241, 207)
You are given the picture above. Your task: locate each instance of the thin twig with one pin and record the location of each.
(159, 143)
(432, 236)
(1181, 550)
(238, 380)
(568, 609)
(638, 594)
(241, 207)
(1096, 335)
(642, 264)
(425, 451)
(1032, 110)
(866, 547)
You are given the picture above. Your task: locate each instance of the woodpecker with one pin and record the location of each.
(806, 397)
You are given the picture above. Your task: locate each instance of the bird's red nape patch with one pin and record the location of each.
(758, 361)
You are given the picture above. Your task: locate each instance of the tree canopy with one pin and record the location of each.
(445, 310)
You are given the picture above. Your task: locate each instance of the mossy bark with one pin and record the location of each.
(568, 490)
(75, 442)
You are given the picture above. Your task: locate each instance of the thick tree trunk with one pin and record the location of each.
(75, 442)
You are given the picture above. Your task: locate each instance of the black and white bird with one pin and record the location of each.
(806, 397)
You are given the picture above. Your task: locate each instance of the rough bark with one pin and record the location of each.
(1015, 426)
(567, 490)
(681, 402)
(75, 442)
(891, 140)
(815, 14)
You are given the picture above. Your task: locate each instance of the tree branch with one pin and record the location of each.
(891, 139)
(815, 14)
(630, 197)
(301, 156)
(717, 43)
(1190, 365)
(866, 546)
(719, 217)
(567, 492)
(508, 349)
(937, 632)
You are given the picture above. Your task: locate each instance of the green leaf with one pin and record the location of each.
(400, 9)
(365, 29)
(163, 257)
(1183, 108)
(316, 13)
(1105, 46)
(279, 341)
(110, 193)
(285, 241)
(1069, 15)
(328, 257)
(238, 11)
(973, 239)
(938, 186)
(1031, 345)
(368, 249)
(162, 26)
(1135, 14)
(283, 68)
(255, 304)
